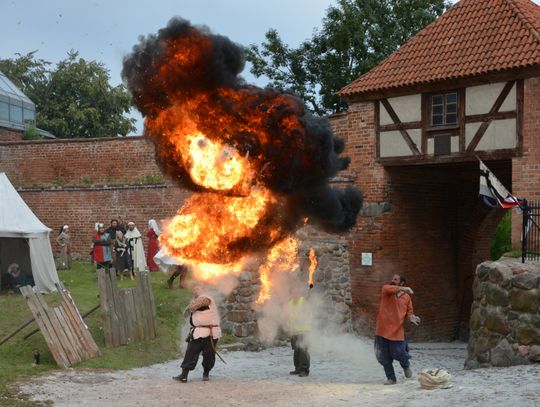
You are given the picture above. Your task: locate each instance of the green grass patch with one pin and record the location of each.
(16, 355)
(501, 242)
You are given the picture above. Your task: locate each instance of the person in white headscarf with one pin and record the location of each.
(153, 245)
(64, 240)
(135, 247)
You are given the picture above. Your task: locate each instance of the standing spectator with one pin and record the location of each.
(115, 226)
(101, 252)
(122, 259)
(153, 246)
(64, 240)
(135, 247)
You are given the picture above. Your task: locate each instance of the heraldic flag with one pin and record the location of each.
(493, 191)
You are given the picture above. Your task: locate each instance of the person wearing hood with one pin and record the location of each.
(135, 247)
(64, 240)
(153, 246)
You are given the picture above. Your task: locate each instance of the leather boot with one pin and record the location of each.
(182, 377)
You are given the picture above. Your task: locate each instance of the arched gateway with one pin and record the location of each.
(467, 85)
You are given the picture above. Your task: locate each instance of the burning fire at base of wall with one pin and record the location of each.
(257, 161)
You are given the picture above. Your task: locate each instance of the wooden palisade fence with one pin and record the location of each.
(63, 328)
(128, 314)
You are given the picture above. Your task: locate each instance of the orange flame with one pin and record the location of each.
(312, 266)
(282, 257)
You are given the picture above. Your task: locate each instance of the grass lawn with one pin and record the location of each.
(16, 355)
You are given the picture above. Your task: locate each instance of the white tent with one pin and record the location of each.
(24, 239)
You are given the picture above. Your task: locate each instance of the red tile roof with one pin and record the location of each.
(473, 38)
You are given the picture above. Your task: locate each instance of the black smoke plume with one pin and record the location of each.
(297, 153)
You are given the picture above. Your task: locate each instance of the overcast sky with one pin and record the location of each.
(106, 30)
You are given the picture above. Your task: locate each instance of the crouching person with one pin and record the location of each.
(204, 334)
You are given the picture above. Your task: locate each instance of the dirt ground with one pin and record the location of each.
(261, 379)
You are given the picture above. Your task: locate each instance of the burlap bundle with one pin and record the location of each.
(434, 379)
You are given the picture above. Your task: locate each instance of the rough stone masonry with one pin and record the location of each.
(505, 318)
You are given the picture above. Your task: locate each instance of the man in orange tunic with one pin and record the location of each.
(390, 343)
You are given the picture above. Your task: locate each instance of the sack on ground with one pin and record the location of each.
(434, 379)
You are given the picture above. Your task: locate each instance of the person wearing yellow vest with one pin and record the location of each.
(299, 326)
(203, 336)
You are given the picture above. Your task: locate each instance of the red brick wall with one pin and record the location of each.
(526, 169)
(119, 160)
(9, 135)
(82, 208)
(81, 182)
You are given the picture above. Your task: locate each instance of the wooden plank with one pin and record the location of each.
(46, 328)
(117, 322)
(151, 334)
(519, 114)
(139, 324)
(128, 321)
(141, 306)
(425, 117)
(105, 308)
(132, 315)
(377, 119)
(52, 329)
(88, 339)
(461, 118)
(63, 341)
(148, 303)
(76, 330)
(152, 307)
(485, 117)
(406, 126)
(72, 345)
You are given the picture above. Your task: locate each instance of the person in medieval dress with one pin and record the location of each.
(153, 246)
(205, 331)
(122, 263)
(135, 247)
(64, 240)
(101, 247)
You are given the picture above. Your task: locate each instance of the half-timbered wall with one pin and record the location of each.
(489, 120)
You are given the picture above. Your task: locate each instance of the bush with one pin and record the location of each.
(501, 242)
(31, 133)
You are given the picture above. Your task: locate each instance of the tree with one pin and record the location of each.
(355, 36)
(75, 98)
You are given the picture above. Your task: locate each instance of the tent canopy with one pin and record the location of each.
(17, 221)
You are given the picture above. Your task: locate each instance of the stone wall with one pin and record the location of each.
(505, 318)
(332, 279)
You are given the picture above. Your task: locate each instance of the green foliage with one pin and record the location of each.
(31, 133)
(501, 242)
(16, 355)
(152, 178)
(74, 99)
(355, 36)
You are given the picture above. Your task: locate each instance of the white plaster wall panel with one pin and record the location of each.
(408, 109)
(470, 131)
(454, 144)
(480, 99)
(392, 144)
(499, 134)
(384, 117)
(431, 146)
